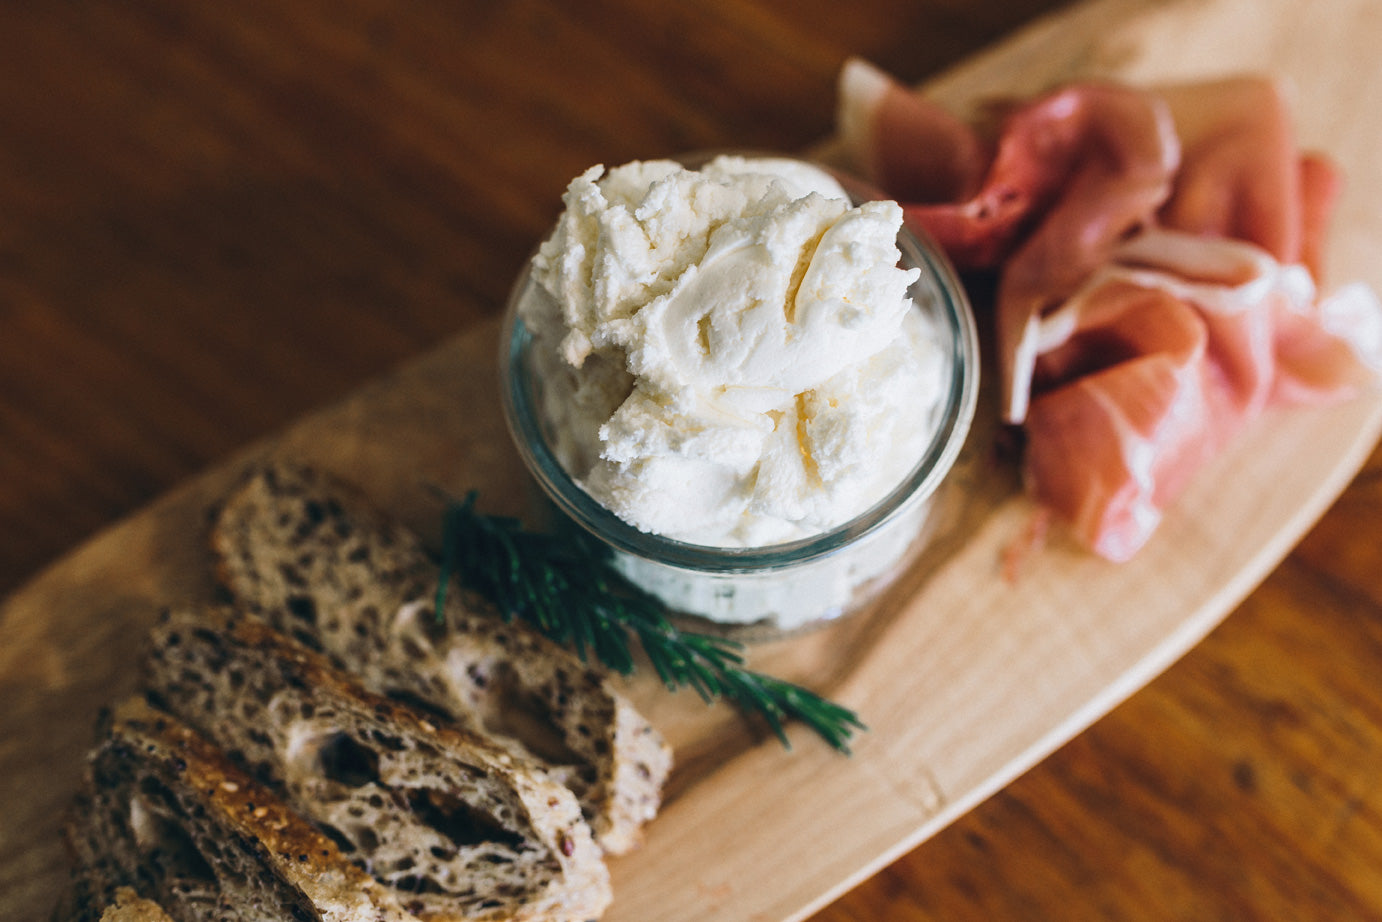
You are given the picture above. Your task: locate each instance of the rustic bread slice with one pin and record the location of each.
(459, 827)
(162, 810)
(316, 561)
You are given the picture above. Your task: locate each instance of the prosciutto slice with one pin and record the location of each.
(1157, 252)
(1162, 358)
(1241, 174)
(1106, 449)
(907, 144)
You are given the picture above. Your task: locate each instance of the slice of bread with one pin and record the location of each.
(163, 811)
(316, 561)
(460, 828)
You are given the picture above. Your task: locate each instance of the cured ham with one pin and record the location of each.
(1105, 449)
(1115, 153)
(1319, 190)
(1164, 355)
(930, 155)
(1241, 173)
(1157, 254)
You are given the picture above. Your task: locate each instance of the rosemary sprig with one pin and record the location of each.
(565, 586)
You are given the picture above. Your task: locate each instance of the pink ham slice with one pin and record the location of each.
(1115, 152)
(1319, 191)
(906, 143)
(1330, 351)
(1241, 174)
(1157, 255)
(1162, 358)
(1105, 449)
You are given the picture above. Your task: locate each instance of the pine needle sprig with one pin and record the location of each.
(566, 587)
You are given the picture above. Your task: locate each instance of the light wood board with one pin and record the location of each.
(965, 679)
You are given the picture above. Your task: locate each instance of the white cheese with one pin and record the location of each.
(729, 356)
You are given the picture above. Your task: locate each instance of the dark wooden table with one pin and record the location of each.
(216, 217)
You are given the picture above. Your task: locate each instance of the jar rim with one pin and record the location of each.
(959, 341)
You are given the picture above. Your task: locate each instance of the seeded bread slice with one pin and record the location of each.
(314, 559)
(162, 810)
(461, 829)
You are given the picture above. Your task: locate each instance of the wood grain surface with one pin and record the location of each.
(213, 220)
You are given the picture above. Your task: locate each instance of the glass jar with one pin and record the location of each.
(769, 591)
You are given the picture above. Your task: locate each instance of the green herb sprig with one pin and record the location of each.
(565, 586)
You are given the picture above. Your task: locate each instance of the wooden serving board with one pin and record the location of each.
(964, 678)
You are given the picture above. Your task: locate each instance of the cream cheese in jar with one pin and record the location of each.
(731, 358)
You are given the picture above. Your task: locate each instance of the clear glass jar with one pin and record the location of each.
(769, 591)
